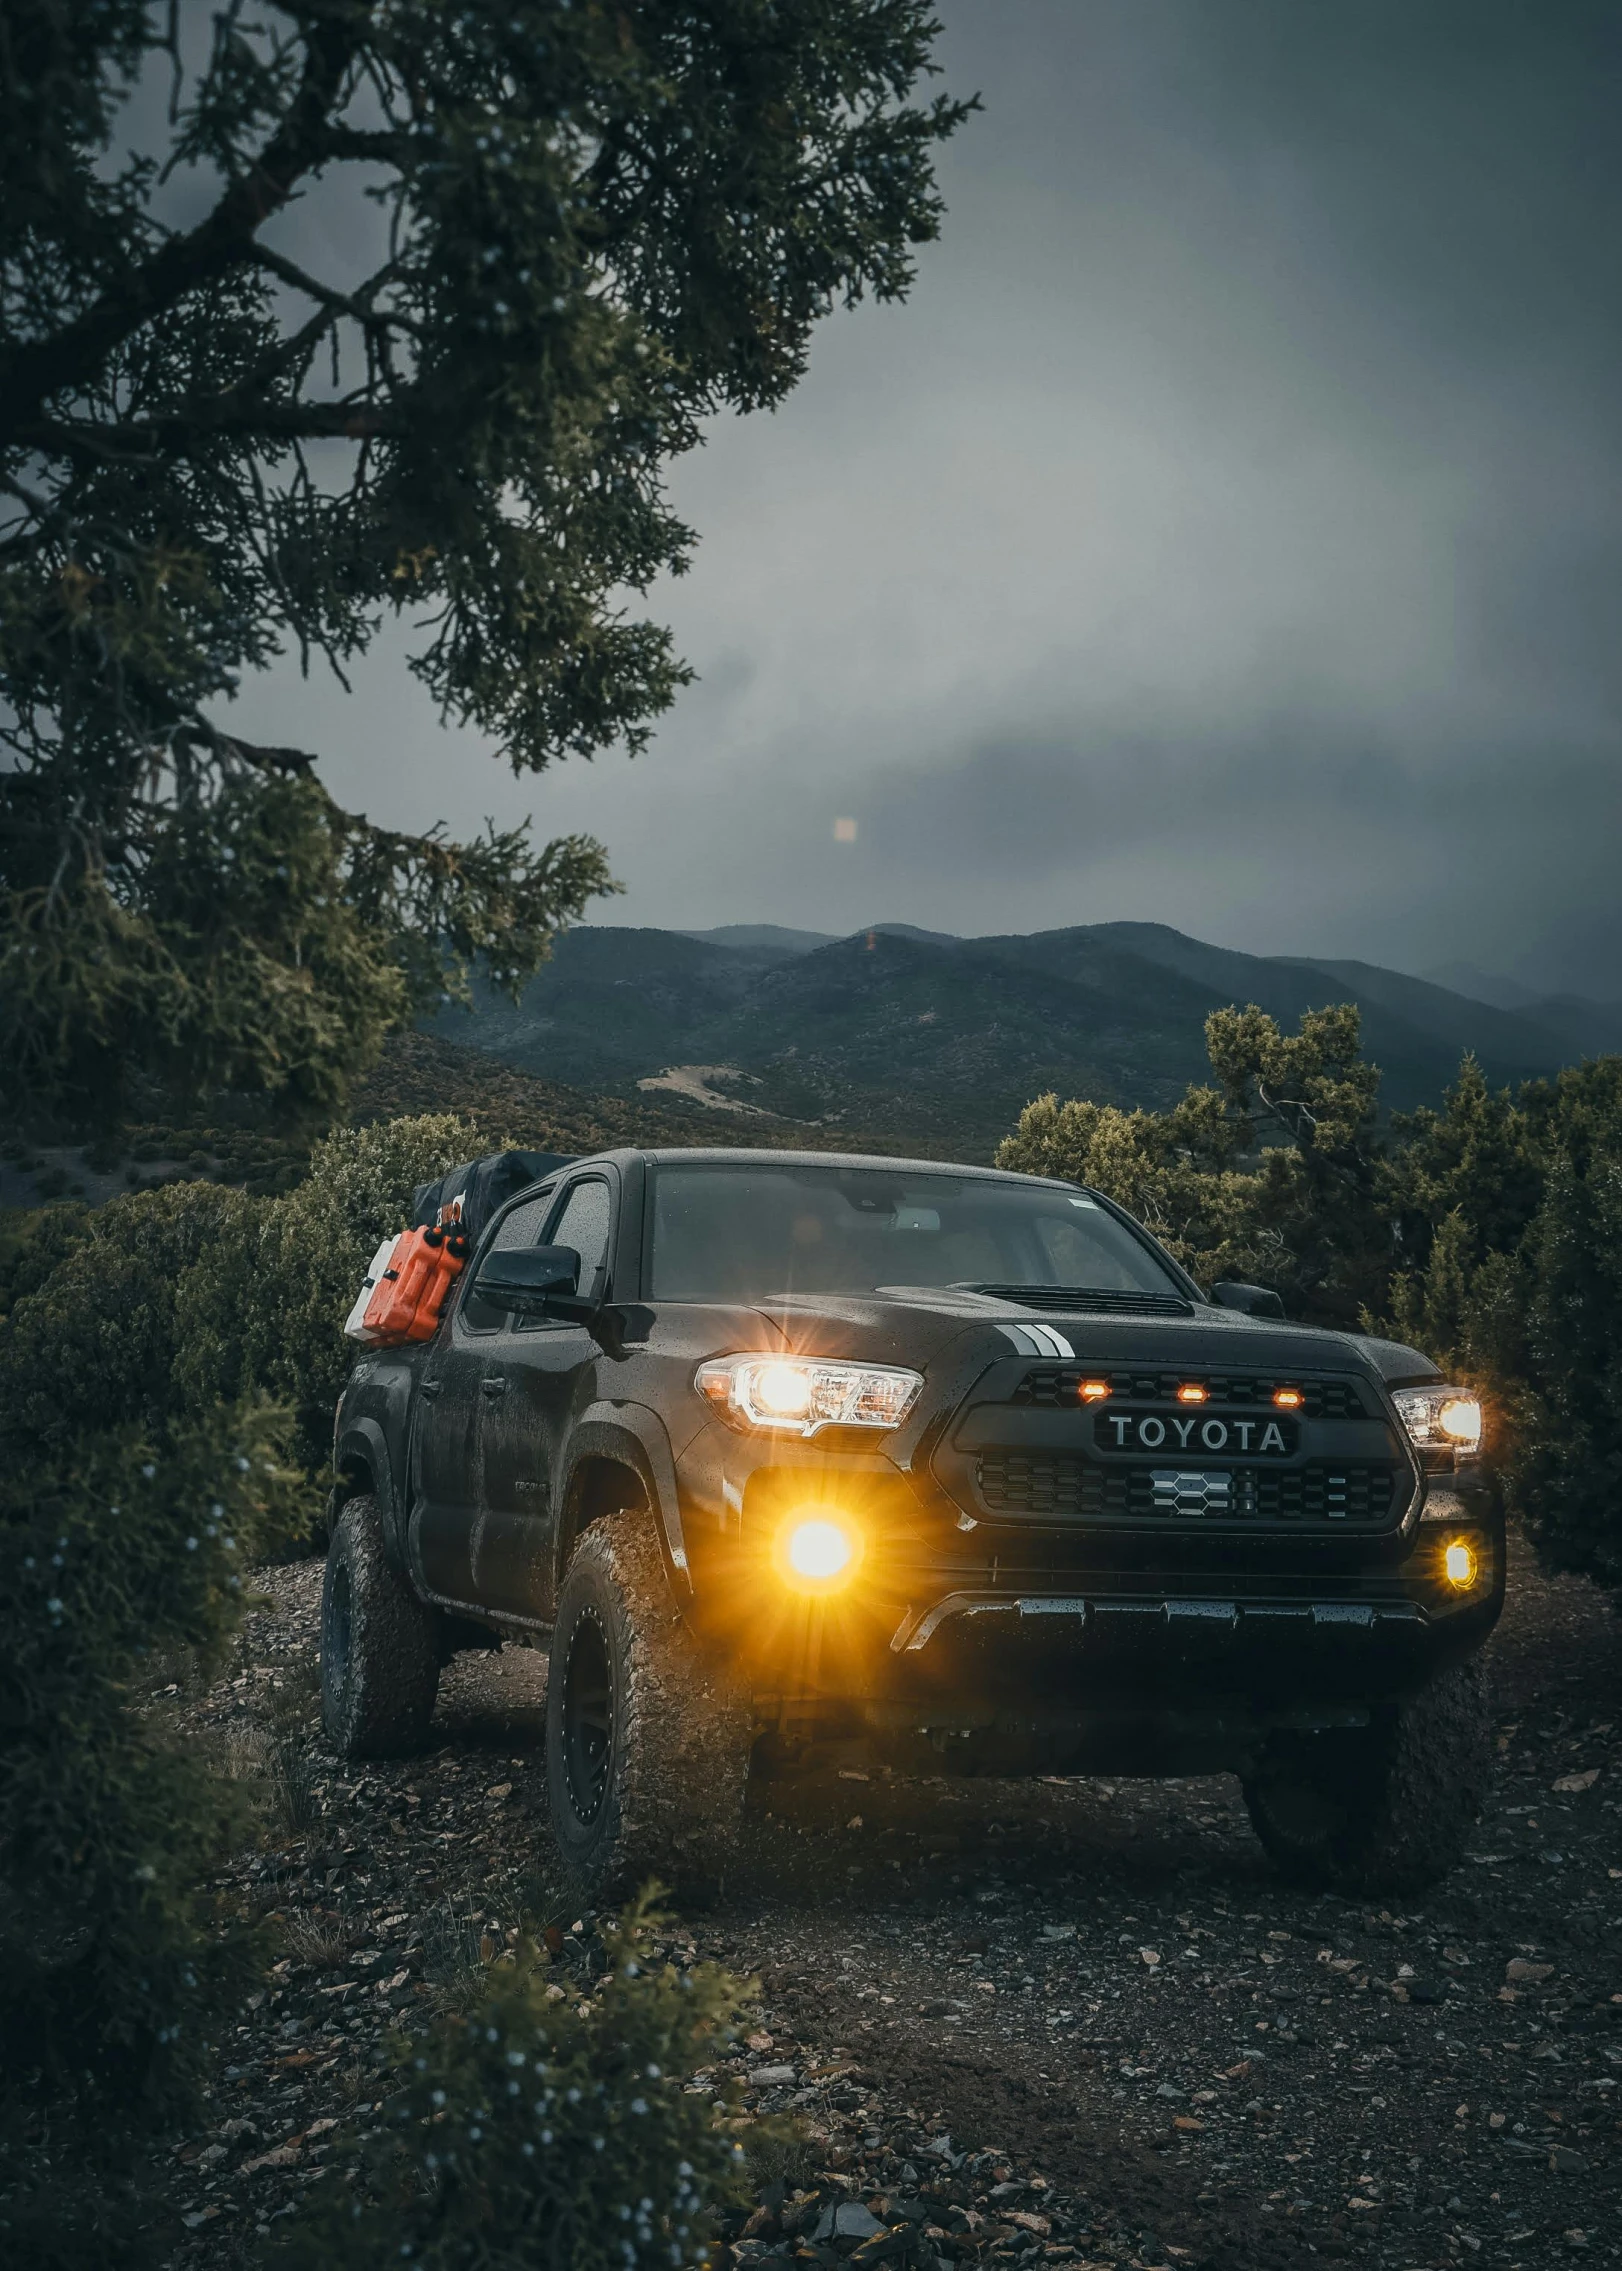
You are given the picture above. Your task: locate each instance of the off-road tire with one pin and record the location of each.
(1387, 1808)
(379, 1644)
(647, 1734)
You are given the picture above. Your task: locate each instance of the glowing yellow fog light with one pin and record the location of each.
(819, 1552)
(1459, 1561)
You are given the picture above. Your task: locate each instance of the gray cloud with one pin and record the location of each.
(1228, 532)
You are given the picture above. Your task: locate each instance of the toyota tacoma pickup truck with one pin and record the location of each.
(778, 1454)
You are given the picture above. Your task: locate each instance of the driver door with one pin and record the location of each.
(460, 1377)
(549, 1370)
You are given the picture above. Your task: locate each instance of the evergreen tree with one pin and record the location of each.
(1567, 1472)
(574, 231)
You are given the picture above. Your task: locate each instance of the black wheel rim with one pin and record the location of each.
(338, 1630)
(588, 1717)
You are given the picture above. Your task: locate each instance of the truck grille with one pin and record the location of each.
(1055, 1386)
(1057, 1486)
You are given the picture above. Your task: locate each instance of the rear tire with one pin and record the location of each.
(647, 1736)
(1386, 1808)
(379, 1645)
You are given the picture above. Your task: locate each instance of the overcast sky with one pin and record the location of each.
(1228, 532)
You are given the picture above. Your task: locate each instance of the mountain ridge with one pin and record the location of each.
(902, 1028)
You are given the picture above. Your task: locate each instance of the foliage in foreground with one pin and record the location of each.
(118, 1559)
(538, 2128)
(594, 228)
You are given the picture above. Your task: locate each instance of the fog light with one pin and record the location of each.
(819, 1552)
(1459, 1561)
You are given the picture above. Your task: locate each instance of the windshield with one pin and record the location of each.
(742, 1233)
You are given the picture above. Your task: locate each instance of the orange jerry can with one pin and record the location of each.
(411, 1294)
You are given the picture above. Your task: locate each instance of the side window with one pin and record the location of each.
(519, 1226)
(584, 1223)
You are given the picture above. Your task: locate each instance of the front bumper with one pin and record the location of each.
(939, 1619)
(1021, 1574)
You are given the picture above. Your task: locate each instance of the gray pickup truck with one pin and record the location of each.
(782, 1453)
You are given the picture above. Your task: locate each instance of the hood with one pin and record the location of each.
(913, 1325)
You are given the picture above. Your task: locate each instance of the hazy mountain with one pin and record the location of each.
(1482, 985)
(900, 1028)
(1589, 1028)
(762, 938)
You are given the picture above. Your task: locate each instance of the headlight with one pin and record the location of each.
(1440, 1419)
(797, 1395)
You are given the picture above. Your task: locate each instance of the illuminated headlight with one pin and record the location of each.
(798, 1395)
(1440, 1419)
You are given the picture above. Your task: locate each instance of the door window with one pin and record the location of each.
(519, 1226)
(584, 1223)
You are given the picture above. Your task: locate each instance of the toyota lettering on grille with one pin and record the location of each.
(1160, 1431)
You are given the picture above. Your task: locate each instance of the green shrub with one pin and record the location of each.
(115, 1557)
(539, 2128)
(168, 1302)
(32, 1243)
(265, 1306)
(96, 1342)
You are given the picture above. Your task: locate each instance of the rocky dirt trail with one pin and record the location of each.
(1073, 2022)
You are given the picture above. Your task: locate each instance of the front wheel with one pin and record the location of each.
(379, 1644)
(1383, 1808)
(647, 1736)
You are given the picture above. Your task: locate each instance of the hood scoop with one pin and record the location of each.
(1074, 1300)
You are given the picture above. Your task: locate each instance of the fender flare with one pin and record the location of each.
(635, 1436)
(363, 1445)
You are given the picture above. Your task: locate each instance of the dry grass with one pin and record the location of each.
(320, 1938)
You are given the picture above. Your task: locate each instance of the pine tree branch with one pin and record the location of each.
(189, 431)
(356, 305)
(74, 356)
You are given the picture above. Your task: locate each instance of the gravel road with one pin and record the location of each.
(1072, 2022)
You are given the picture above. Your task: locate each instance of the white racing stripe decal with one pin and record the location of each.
(1038, 1340)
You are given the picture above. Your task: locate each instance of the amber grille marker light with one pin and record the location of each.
(1288, 1399)
(1190, 1394)
(1093, 1391)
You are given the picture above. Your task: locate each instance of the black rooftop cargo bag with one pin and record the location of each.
(469, 1195)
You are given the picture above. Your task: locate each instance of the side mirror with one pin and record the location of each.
(1249, 1300)
(525, 1278)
